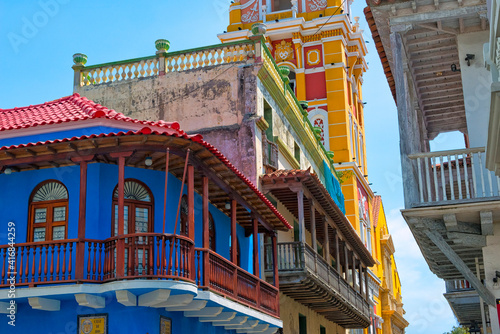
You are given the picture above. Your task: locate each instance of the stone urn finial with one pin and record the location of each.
(80, 59)
(162, 45)
(258, 28)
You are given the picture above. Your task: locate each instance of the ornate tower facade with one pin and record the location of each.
(324, 48)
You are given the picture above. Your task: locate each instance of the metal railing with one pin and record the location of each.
(454, 175)
(270, 153)
(458, 285)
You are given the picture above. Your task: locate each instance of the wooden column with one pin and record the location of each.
(353, 269)
(234, 238)
(190, 201)
(82, 211)
(206, 233)
(367, 285)
(255, 228)
(302, 225)
(327, 241)
(120, 245)
(337, 251)
(346, 262)
(313, 226)
(360, 274)
(275, 261)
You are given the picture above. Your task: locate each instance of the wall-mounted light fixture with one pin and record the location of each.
(469, 57)
(227, 206)
(497, 276)
(148, 161)
(454, 68)
(7, 171)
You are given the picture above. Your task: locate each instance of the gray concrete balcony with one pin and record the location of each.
(463, 300)
(306, 277)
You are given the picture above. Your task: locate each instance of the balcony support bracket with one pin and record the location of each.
(446, 249)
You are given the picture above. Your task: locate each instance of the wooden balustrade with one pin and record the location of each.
(172, 62)
(455, 175)
(230, 280)
(147, 255)
(296, 256)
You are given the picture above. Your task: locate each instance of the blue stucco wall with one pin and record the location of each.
(121, 319)
(60, 135)
(16, 189)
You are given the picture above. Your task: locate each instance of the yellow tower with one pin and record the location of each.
(324, 48)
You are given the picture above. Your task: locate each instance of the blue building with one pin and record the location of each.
(111, 224)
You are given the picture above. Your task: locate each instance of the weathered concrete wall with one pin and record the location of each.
(289, 313)
(218, 102)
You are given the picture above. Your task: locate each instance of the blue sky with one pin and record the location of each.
(38, 39)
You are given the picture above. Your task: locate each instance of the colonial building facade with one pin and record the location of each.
(117, 224)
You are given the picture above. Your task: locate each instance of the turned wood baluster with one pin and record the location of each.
(158, 256)
(26, 269)
(94, 262)
(88, 276)
(70, 258)
(198, 280)
(99, 267)
(134, 270)
(65, 247)
(52, 262)
(150, 254)
(21, 265)
(40, 264)
(33, 264)
(58, 261)
(45, 265)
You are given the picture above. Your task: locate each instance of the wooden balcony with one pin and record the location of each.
(306, 277)
(151, 256)
(455, 176)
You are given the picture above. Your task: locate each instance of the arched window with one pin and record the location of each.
(48, 212)
(138, 214)
(138, 208)
(184, 228)
(211, 232)
(318, 122)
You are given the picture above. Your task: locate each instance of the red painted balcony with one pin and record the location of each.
(152, 256)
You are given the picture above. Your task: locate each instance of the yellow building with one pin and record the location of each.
(322, 45)
(388, 303)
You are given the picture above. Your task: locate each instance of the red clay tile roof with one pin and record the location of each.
(66, 109)
(377, 200)
(380, 50)
(312, 181)
(168, 132)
